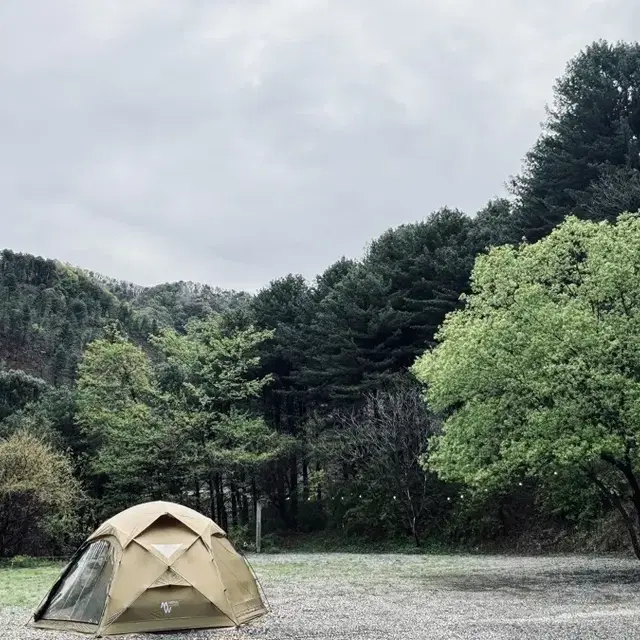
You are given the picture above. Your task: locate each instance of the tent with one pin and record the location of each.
(157, 566)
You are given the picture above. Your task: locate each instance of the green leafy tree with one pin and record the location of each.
(210, 375)
(174, 304)
(133, 446)
(538, 375)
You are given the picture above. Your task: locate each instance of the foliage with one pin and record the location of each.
(121, 412)
(48, 313)
(379, 448)
(17, 390)
(35, 481)
(175, 304)
(211, 376)
(592, 129)
(384, 311)
(286, 308)
(114, 389)
(537, 375)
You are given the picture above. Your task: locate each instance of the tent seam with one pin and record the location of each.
(224, 587)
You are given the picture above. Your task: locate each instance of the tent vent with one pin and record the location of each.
(167, 550)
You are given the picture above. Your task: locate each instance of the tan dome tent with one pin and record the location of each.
(155, 567)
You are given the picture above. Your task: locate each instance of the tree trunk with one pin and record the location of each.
(293, 493)
(196, 482)
(630, 523)
(414, 532)
(280, 493)
(305, 480)
(212, 498)
(319, 489)
(502, 518)
(630, 476)
(254, 496)
(234, 505)
(222, 511)
(244, 508)
(5, 510)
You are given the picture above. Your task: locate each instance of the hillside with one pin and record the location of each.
(172, 303)
(50, 311)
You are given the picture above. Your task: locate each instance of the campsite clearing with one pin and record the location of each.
(380, 597)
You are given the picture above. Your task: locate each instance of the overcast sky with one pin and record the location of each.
(232, 142)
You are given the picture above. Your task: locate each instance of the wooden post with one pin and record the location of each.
(259, 526)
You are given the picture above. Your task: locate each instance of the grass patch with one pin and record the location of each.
(336, 543)
(25, 587)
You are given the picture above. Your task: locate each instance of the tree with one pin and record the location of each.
(286, 308)
(593, 125)
(493, 225)
(382, 444)
(17, 390)
(538, 375)
(210, 377)
(371, 326)
(616, 190)
(134, 447)
(35, 482)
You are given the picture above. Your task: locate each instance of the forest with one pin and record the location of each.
(473, 381)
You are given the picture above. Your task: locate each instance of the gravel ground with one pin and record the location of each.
(383, 597)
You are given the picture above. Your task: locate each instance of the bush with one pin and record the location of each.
(242, 538)
(36, 483)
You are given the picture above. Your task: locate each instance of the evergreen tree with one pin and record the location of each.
(593, 125)
(372, 325)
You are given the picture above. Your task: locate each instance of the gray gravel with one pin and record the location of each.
(362, 597)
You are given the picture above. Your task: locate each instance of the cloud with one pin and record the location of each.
(232, 143)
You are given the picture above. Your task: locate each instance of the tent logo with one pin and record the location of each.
(167, 606)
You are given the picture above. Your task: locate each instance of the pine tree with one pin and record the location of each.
(593, 125)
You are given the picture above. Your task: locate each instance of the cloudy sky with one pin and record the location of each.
(232, 142)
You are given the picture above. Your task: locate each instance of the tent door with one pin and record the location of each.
(81, 594)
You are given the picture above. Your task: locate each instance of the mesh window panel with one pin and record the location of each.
(82, 594)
